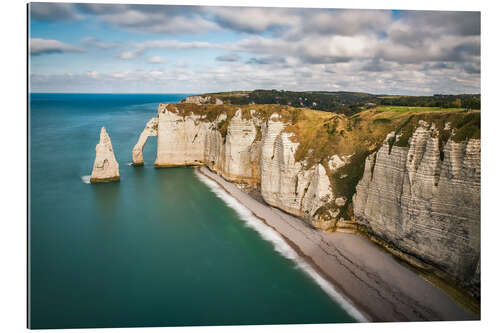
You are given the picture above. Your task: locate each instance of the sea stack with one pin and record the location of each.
(105, 164)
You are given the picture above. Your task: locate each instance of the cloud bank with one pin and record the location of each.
(417, 52)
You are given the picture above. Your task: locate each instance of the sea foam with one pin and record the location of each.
(281, 246)
(86, 179)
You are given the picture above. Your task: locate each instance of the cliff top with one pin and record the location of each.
(324, 137)
(321, 133)
(345, 102)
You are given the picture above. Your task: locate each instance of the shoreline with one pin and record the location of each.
(303, 261)
(372, 281)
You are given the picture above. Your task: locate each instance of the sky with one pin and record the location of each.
(123, 48)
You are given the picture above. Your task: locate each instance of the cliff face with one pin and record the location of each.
(180, 139)
(105, 165)
(251, 150)
(236, 156)
(200, 100)
(286, 183)
(426, 201)
(419, 190)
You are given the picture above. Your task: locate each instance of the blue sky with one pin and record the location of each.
(191, 49)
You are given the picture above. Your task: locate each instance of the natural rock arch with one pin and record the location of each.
(151, 129)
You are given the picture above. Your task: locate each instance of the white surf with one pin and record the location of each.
(281, 246)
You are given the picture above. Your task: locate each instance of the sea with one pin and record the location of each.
(162, 247)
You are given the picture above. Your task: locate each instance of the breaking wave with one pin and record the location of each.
(86, 179)
(281, 246)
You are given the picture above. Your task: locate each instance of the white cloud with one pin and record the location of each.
(138, 49)
(40, 46)
(97, 43)
(176, 45)
(255, 20)
(127, 55)
(92, 74)
(230, 57)
(349, 22)
(53, 11)
(397, 79)
(288, 48)
(158, 19)
(156, 60)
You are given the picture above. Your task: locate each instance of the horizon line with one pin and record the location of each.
(203, 93)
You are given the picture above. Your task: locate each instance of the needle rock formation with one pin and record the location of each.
(105, 164)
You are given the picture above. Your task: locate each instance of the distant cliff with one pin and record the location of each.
(419, 190)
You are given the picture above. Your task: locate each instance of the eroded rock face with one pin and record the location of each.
(151, 129)
(180, 139)
(287, 184)
(200, 100)
(319, 192)
(105, 165)
(426, 202)
(280, 173)
(424, 199)
(214, 146)
(253, 152)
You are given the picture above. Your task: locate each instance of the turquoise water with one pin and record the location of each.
(158, 248)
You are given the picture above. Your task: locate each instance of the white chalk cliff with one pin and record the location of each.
(180, 139)
(242, 156)
(200, 100)
(424, 203)
(105, 165)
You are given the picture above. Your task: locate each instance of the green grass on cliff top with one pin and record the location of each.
(323, 134)
(394, 108)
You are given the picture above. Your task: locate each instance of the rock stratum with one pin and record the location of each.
(426, 202)
(408, 180)
(106, 167)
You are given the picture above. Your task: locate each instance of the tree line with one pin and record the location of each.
(350, 103)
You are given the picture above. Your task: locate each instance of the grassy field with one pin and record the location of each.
(394, 108)
(230, 93)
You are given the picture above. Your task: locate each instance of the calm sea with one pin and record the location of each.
(158, 248)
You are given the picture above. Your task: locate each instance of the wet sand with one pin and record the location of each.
(370, 278)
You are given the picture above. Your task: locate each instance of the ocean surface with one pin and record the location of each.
(159, 248)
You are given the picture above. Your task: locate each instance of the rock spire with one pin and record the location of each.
(105, 165)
